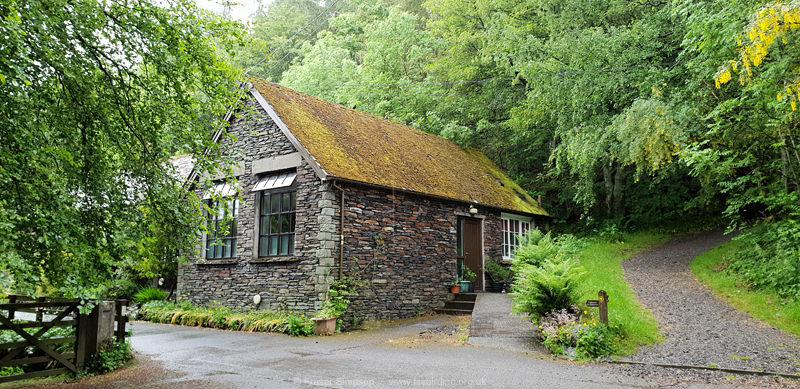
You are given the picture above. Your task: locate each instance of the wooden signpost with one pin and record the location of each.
(602, 303)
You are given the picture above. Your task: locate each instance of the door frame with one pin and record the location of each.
(460, 243)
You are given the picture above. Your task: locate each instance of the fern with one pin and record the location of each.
(539, 290)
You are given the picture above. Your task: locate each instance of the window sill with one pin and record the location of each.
(274, 259)
(212, 262)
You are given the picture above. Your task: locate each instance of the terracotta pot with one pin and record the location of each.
(325, 326)
(455, 288)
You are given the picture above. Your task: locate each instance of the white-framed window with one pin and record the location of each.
(512, 226)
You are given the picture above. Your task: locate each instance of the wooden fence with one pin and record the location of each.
(41, 354)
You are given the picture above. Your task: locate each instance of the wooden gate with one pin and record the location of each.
(35, 349)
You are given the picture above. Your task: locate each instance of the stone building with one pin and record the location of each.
(326, 189)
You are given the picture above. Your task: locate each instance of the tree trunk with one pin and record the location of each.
(608, 180)
(619, 201)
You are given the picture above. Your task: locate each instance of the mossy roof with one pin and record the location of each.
(357, 146)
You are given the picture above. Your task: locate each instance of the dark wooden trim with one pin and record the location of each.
(121, 319)
(13, 345)
(19, 306)
(36, 374)
(35, 342)
(26, 361)
(47, 325)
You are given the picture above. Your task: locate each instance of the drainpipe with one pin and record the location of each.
(341, 230)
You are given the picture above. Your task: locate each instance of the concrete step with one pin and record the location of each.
(458, 312)
(463, 305)
(465, 296)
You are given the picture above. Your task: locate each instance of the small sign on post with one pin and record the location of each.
(602, 303)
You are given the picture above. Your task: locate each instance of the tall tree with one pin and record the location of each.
(97, 96)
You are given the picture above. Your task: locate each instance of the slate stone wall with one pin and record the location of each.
(297, 282)
(405, 245)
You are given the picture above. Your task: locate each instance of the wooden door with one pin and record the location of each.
(473, 248)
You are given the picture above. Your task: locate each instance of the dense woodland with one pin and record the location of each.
(622, 114)
(643, 112)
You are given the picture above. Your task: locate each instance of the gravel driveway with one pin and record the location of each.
(699, 328)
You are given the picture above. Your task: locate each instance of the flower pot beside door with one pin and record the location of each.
(326, 326)
(455, 288)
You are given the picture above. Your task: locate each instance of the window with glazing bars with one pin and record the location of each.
(512, 228)
(277, 218)
(219, 246)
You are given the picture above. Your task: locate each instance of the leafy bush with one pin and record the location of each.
(10, 370)
(109, 359)
(769, 257)
(539, 290)
(186, 305)
(300, 326)
(536, 247)
(497, 271)
(149, 294)
(566, 332)
(335, 301)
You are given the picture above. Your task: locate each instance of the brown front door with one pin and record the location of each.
(473, 249)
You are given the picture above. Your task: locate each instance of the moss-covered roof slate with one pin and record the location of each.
(358, 146)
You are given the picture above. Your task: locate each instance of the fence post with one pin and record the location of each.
(81, 341)
(603, 299)
(122, 319)
(40, 311)
(12, 299)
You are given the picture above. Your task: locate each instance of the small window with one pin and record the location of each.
(511, 229)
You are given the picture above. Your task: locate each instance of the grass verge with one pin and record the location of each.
(603, 262)
(711, 269)
(221, 317)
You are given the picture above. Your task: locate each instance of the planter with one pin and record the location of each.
(496, 286)
(471, 287)
(324, 326)
(455, 288)
(465, 286)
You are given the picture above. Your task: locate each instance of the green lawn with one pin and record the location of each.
(711, 269)
(603, 262)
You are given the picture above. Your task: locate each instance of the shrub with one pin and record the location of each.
(566, 332)
(497, 271)
(149, 294)
(539, 290)
(769, 257)
(536, 247)
(109, 359)
(335, 301)
(300, 326)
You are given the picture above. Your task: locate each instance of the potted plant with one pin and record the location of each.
(335, 303)
(325, 319)
(469, 279)
(455, 287)
(498, 273)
